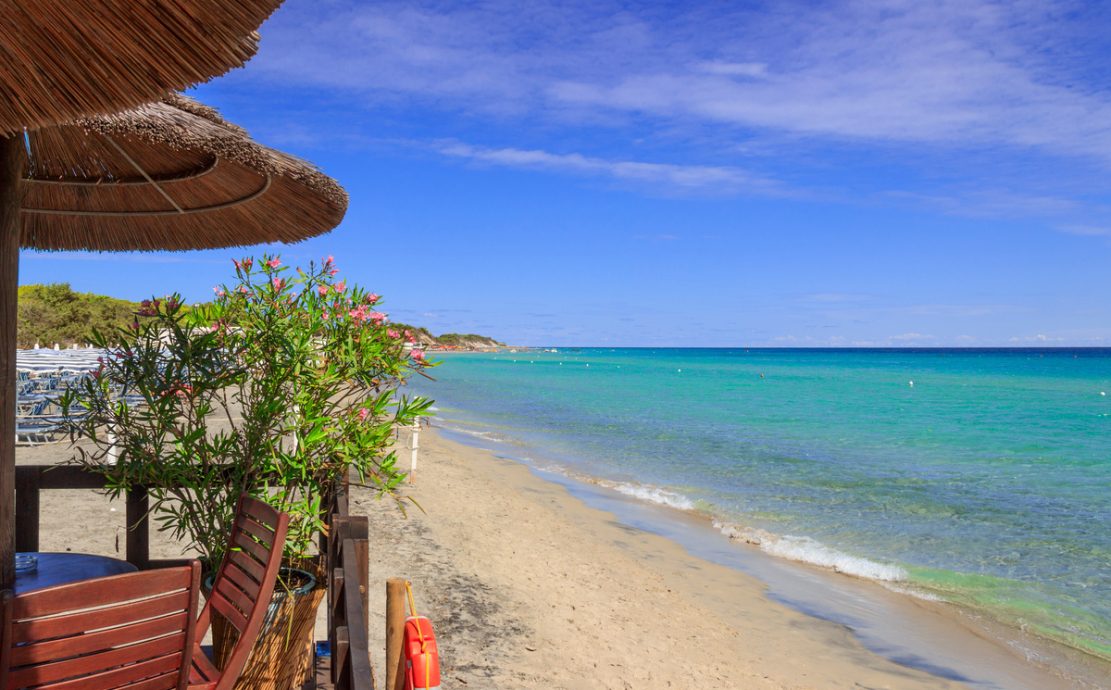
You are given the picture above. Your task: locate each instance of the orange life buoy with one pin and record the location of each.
(422, 657)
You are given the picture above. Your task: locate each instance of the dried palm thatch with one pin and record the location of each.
(168, 175)
(64, 59)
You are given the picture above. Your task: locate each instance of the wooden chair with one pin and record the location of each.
(242, 590)
(132, 631)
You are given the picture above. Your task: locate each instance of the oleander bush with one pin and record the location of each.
(288, 381)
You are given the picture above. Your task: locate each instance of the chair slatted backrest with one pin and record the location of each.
(132, 631)
(244, 585)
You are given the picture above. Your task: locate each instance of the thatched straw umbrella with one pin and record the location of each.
(166, 175)
(65, 59)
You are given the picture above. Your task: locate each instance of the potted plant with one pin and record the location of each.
(287, 383)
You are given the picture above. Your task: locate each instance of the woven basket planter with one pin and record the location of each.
(282, 658)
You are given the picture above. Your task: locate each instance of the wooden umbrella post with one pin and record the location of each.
(11, 172)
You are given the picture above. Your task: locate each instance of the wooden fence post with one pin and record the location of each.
(27, 508)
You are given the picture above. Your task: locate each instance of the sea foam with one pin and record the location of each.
(812, 551)
(653, 494)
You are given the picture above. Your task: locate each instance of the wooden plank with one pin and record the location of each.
(245, 542)
(263, 533)
(105, 591)
(341, 660)
(65, 477)
(236, 596)
(240, 579)
(59, 626)
(233, 615)
(80, 644)
(85, 665)
(165, 667)
(247, 564)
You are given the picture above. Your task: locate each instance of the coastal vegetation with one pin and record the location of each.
(56, 313)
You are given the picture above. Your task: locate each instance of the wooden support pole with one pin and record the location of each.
(395, 633)
(11, 175)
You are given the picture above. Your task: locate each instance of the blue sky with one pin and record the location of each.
(779, 173)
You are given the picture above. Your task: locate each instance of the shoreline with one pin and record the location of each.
(626, 550)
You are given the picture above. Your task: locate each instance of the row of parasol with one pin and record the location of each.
(98, 152)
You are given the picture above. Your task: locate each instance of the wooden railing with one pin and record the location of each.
(346, 551)
(31, 479)
(348, 563)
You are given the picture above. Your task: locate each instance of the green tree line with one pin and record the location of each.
(54, 313)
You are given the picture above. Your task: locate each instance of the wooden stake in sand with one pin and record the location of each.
(395, 633)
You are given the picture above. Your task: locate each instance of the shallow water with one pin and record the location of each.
(984, 483)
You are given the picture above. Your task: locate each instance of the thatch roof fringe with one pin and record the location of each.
(64, 59)
(171, 175)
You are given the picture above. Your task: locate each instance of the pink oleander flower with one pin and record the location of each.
(242, 289)
(218, 291)
(333, 271)
(171, 303)
(363, 414)
(372, 298)
(417, 355)
(275, 262)
(392, 333)
(247, 263)
(409, 336)
(329, 261)
(324, 315)
(378, 318)
(278, 283)
(358, 313)
(322, 290)
(341, 286)
(237, 264)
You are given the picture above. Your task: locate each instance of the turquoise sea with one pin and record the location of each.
(980, 477)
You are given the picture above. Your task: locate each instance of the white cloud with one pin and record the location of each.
(1086, 230)
(962, 72)
(675, 178)
(912, 337)
(1039, 339)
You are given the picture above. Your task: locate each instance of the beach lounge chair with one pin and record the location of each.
(124, 631)
(242, 590)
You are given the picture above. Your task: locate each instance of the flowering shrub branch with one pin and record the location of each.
(285, 383)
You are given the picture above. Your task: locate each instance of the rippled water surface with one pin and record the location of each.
(980, 477)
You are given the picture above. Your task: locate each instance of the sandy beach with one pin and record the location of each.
(529, 587)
